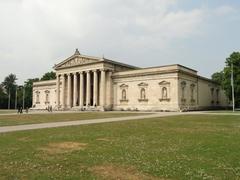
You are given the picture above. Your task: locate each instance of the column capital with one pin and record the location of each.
(81, 72)
(104, 70)
(110, 73)
(68, 74)
(74, 73)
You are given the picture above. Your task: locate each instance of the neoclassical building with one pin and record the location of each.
(90, 83)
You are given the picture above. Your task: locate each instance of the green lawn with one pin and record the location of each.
(226, 111)
(7, 111)
(180, 147)
(9, 120)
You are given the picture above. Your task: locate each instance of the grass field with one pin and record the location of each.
(180, 147)
(7, 111)
(226, 111)
(9, 120)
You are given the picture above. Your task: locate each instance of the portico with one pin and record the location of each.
(82, 89)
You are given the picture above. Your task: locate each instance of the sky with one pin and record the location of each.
(36, 34)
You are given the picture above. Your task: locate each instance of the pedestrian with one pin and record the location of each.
(18, 109)
(21, 110)
(26, 109)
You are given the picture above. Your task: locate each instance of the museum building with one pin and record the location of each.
(91, 83)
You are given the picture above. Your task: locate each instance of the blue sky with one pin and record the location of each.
(36, 34)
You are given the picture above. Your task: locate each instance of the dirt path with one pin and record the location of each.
(97, 121)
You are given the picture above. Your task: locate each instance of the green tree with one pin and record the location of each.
(48, 76)
(9, 85)
(224, 77)
(218, 77)
(3, 98)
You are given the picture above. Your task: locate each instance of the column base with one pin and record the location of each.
(87, 108)
(84, 108)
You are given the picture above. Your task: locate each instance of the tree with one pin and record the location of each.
(9, 85)
(49, 76)
(224, 77)
(218, 77)
(3, 98)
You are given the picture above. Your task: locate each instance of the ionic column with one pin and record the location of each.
(63, 91)
(88, 89)
(75, 89)
(69, 91)
(58, 91)
(110, 88)
(95, 88)
(81, 88)
(103, 87)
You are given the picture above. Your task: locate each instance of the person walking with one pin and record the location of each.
(21, 110)
(18, 110)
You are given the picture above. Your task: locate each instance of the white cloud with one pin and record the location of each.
(224, 10)
(40, 31)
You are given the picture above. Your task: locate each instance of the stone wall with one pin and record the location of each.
(145, 93)
(44, 94)
(200, 93)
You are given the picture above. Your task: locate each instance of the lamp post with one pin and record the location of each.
(232, 84)
(16, 99)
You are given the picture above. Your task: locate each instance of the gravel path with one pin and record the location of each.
(81, 122)
(97, 121)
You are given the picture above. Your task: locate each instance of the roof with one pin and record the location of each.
(90, 60)
(159, 69)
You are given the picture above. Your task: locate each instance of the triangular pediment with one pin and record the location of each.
(79, 59)
(75, 60)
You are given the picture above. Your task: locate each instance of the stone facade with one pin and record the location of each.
(90, 83)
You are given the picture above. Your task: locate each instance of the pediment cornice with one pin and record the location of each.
(79, 59)
(75, 60)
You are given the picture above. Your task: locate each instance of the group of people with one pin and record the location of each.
(49, 108)
(20, 110)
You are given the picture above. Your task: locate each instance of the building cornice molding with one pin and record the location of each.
(45, 83)
(90, 58)
(137, 74)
